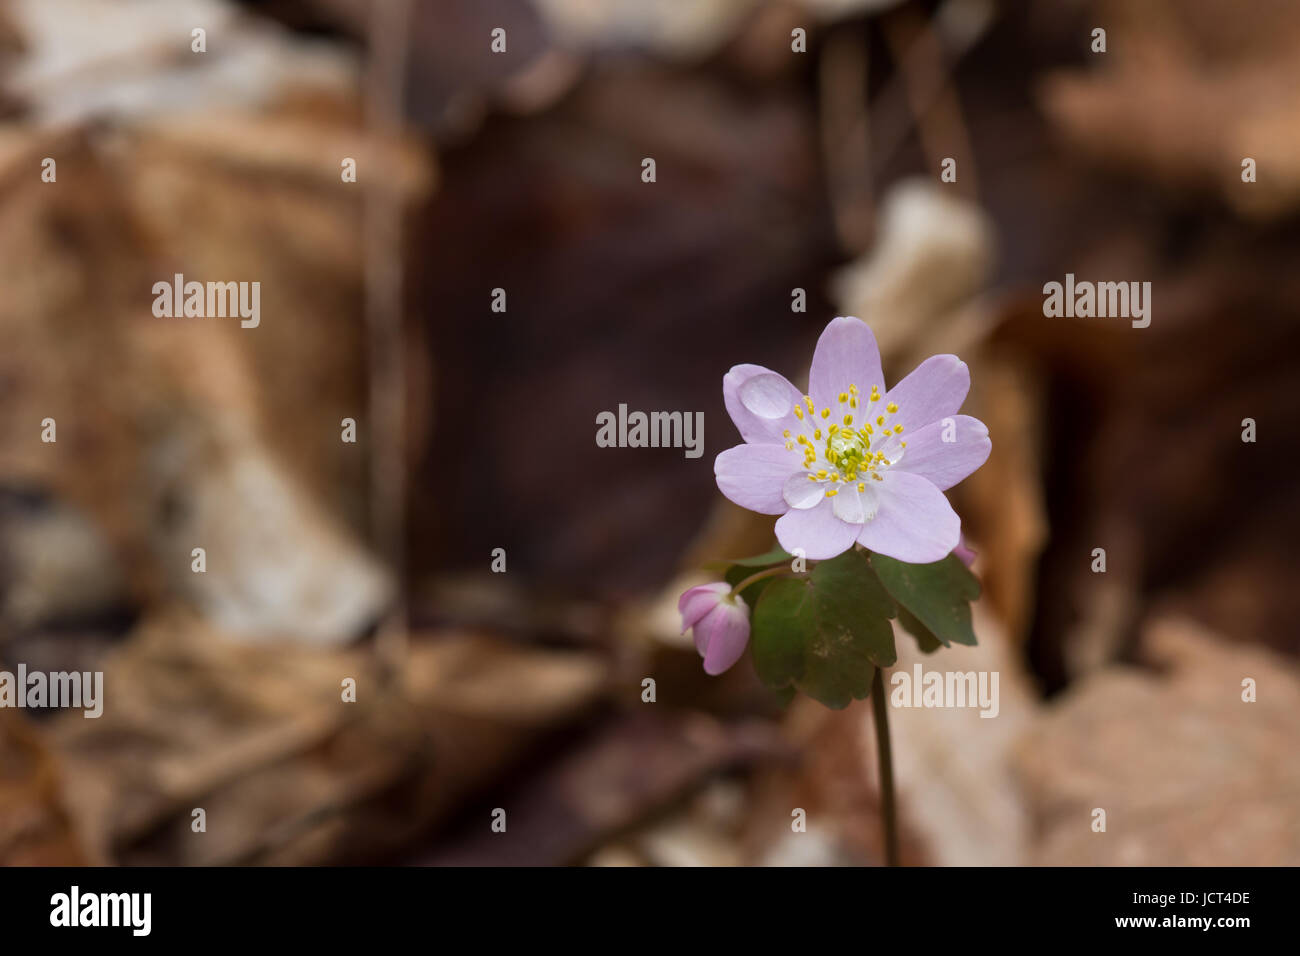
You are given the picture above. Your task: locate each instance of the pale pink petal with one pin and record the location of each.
(726, 630)
(914, 522)
(817, 533)
(944, 463)
(801, 493)
(846, 355)
(760, 402)
(753, 476)
(698, 601)
(933, 390)
(965, 554)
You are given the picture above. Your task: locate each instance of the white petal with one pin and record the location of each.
(801, 493)
(855, 506)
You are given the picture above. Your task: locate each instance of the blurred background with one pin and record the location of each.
(798, 146)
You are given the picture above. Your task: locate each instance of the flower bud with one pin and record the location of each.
(721, 623)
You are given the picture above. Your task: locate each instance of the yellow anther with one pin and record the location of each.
(898, 429)
(789, 446)
(868, 429)
(812, 477)
(835, 476)
(798, 412)
(848, 419)
(822, 474)
(880, 419)
(786, 433)
(807, 400)
(853, 402)
(802, 439)
(844, 396)
(903, 443)
(853, 389)
(826, 413)
(891, 408)
(832, 429)
(817, 434)
(832, 493)
(862, 486)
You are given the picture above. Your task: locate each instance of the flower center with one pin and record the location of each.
(852, 443)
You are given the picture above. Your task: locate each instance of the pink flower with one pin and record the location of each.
(721, 624)
(851, 461)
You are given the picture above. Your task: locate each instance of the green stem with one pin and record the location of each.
(880, 710)
(780, 569)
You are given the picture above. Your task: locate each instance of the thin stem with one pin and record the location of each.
(779, 569)
(880, 710)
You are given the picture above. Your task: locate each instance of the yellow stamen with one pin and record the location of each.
(826, 413)
(891, 408)
(798, 412)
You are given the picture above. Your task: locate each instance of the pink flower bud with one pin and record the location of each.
(966, 555)
(721, 624)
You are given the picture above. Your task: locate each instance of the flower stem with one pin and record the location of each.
(880, 710)
(779, 569)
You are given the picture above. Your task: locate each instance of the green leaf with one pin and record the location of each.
(775, 556)
(825, 632)
(784, 695)
(938, 595)
(925, 638)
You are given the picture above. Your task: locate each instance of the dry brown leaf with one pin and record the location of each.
(1188, 773)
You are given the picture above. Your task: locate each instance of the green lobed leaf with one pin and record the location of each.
(775, 556)
(825, 633)
(937, 595)
(771, 558)
(925, 638)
